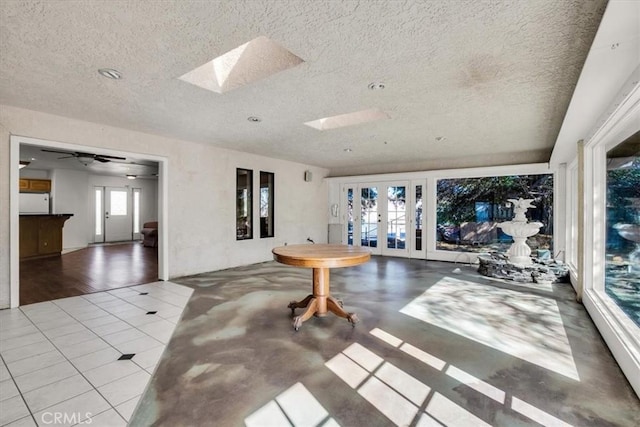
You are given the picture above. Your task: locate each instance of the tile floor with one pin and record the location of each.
(86, 358)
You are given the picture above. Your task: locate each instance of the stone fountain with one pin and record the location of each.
(520, 229)
(631, 232)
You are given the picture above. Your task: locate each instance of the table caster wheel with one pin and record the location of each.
(353, 319)
(297, 322)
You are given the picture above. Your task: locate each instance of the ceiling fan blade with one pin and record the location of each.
(65, 157)
(101, 159)
(59, 152)
(104, 156)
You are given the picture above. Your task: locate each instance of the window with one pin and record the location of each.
(470, 209)
(118, 203)
(98, 217)
(266, 204)
(136, 210)
(622, 257)
(244, 204)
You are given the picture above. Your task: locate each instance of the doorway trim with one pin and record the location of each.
(14, 215)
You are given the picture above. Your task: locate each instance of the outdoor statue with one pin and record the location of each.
(520, 229)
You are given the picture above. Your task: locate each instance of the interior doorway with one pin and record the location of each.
(122, 228)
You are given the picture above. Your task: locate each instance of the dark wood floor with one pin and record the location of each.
(93, 269)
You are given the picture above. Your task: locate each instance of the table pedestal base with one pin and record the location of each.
(320, 302)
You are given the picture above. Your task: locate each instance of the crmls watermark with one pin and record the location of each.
(66, 418)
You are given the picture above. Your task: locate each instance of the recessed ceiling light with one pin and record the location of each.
(254, 60)
(348, 119)
(110, 73)
(376, 86)
(441, 138)
(348, 150)
(131, 176)
(254, 119)
(24, 164)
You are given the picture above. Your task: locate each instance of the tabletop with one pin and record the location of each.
(321, 255)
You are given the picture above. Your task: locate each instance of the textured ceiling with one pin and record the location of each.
(493, 77)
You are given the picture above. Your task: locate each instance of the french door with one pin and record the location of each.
(378, 216)
(113, 214)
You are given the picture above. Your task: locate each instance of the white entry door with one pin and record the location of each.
(118, 219)
(396, 229)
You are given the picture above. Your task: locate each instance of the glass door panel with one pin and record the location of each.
(369, 219)
(417, 231)
(395, 216)
(350, 216)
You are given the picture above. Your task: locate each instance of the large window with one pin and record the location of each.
(244, 204)
(622, 259)
(266, 204)
(470, 209)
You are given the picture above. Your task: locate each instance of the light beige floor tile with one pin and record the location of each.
(42, 377)
(160, 330)
(4, 372)
(74, 338)
(111, 372)
(21, 341)
(8, 389)
(126, 388)
(109, 418)
(99, 321)
(26, 351)
(64, 330)
(13, 409)
(62, 320)
(112, 327)
(86, 347)
(126, 409)
(149, 358)
(33, 363)
(17, 332)
(57, 392)
(23, 422)
(139, 345)
(142, 319)
(123, 336)
(96, 359)
(79, 408)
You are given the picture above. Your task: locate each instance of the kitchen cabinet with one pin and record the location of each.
(35, 185)
(41, 235)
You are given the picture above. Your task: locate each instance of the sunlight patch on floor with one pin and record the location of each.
(448, 412)
(395, 393)
(295, 406)
(523, 325)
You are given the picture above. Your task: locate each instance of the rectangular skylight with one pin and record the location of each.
(348, 119)
(254, 60)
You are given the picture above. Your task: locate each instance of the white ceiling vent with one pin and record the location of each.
(348, 119)
(245, 64)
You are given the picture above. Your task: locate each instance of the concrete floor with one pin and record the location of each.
(432, 347)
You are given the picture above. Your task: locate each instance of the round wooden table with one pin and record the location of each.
(321, 258)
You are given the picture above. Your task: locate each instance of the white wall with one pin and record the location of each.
(5, 278)
(69, 195)
(201, 193)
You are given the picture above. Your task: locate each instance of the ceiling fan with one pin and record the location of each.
(85, 158)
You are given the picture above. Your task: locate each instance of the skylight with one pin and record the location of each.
(348, 119)
(254, 60)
